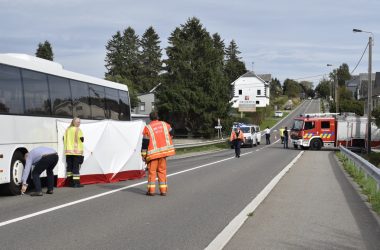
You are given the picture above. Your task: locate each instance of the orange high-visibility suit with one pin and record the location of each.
(160, 146)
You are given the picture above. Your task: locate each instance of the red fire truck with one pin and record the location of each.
(319, 130)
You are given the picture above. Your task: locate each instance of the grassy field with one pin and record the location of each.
(271, 121)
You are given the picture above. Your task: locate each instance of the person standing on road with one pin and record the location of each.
(286, 137)
(43, 158)
(73, 144)
(282, 135)
(267, 135)
(236, 138)
(156, 146)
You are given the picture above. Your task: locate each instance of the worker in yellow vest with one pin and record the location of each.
(156, 146)
(73, 144)
(282, 135)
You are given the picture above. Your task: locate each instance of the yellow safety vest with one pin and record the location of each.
(282, 132)
(73, 144)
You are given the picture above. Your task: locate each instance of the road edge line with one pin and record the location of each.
(230, 230)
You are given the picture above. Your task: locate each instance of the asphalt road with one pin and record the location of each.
(205, 193)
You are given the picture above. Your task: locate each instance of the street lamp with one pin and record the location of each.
(370, 43)
(336, 90)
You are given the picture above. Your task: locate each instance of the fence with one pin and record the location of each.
(198, 144)
(358, 161)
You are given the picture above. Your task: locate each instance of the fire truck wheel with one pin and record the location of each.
(315, 144)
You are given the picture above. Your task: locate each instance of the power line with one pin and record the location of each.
(308, 77)
(360, 59)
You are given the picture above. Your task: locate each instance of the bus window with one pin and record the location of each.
(97, 101)
(11, 100)
(125, 109)
(112, 104)
(36, 94)
(81, 102)
(60, 95)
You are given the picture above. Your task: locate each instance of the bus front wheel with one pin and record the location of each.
(17, 167)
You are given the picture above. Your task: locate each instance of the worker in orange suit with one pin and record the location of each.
(156, 146)
(236, 138)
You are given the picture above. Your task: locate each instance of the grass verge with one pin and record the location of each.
(222, 145)
(368, 185)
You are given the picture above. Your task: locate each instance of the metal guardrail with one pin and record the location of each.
(359, 161)
(198, 144)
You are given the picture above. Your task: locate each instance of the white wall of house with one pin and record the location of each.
(250, 88)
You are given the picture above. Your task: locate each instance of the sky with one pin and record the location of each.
(293, 39)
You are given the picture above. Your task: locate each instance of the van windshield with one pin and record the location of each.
(245, 129)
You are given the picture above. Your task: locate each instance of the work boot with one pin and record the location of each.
(149, 194)
(49, 192)
(77, 184)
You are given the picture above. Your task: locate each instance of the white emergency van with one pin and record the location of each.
(251, 137)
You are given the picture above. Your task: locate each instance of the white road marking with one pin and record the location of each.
(228, 232)
(4, 223)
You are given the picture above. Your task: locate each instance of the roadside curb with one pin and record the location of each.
(358, 190)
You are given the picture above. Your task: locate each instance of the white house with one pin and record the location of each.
(251, 88)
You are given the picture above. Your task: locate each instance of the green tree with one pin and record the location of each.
(275, 88)
(115, 56)
(292, 88)
(323, 88)
(45, 51)
(150, 59)
(122, 57)
(353, 106)
(193, 95)
(342, 74)
(234, 67)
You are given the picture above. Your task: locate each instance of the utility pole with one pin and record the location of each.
(336, 92)
(369, 109)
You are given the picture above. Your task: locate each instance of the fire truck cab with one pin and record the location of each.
(319, 130)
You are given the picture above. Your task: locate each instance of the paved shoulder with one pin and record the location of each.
(313, 207)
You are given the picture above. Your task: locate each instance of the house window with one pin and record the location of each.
(259, 92)
(257, 102)
(152, 105)
(142, 106)
(240, 91)
(246, 98)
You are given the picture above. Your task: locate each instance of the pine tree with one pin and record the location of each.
(150, 60)
(193, 96)
(45, 51)
(122, 58)
(115, 56)
(234, 68)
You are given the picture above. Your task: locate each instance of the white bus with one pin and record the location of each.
(34, 93)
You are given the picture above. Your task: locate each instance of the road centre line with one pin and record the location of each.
(229, 231)
(28, 216)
